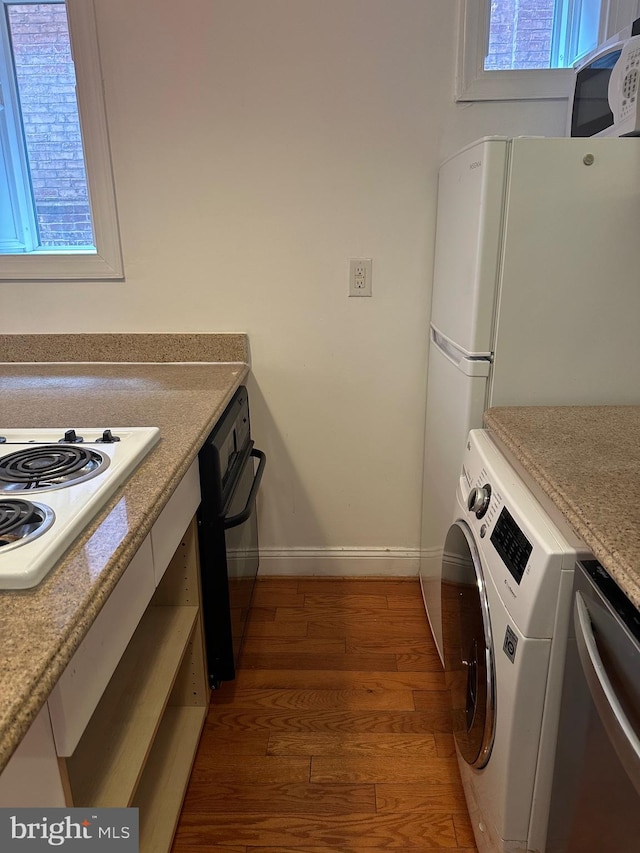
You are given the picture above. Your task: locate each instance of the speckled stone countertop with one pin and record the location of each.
(41, 628)
(122, 347)
(586, 459)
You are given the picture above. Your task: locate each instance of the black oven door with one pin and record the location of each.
(241, 544)
(229, 564)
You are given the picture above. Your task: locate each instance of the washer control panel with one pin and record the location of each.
(522, 552)
(507, 538)
(511, 544)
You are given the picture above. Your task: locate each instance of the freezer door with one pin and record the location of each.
(455, 403)
(468, 227)
(569, 303)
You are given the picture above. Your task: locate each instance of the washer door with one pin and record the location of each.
(468, 646)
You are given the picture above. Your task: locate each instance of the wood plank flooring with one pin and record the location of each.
(335, 735)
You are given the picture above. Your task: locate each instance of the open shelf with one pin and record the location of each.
(159, 797)
(104, 771)
(139, 745)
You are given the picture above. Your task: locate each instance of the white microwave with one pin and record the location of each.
(604, 101)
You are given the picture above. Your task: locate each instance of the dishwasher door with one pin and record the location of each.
(595, 800)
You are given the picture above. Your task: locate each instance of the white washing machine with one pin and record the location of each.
(507, 575)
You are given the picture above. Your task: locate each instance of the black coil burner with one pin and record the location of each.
(49, 466)
(22, 520)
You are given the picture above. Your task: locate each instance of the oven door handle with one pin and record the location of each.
(240, 517)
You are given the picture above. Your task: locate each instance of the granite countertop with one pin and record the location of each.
(586, 459)
(41, 628)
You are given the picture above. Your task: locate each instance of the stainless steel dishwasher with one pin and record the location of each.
(595, 799)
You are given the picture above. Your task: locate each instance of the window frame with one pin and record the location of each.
(473, 83)
(69, 263)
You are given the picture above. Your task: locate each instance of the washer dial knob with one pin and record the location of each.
(478, 500)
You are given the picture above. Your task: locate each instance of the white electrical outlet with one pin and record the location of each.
(360, 277)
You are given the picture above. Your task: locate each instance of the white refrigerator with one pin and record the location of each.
(536, 298)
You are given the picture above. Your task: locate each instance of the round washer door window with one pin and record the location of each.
(468, 646)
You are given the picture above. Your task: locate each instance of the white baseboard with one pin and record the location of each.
(430, 562)
(340, 562)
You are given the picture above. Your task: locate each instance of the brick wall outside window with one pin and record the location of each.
(46, 83)
(520, 34)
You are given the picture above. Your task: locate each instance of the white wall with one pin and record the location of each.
(257, 146)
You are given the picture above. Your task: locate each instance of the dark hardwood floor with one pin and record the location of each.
(335, 735)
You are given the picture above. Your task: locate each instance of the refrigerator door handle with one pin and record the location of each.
(469, 365)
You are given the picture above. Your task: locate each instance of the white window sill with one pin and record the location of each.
(541, 84)
(56, 265)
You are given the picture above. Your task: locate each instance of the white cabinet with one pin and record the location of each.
(77, 693)
(31, 778)
(123, 723)
(139, 745)
(173, 520)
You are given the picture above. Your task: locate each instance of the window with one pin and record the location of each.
(518, 49)
(541, 33)
(57, 202)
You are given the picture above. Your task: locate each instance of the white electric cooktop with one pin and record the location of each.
(52, 483)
